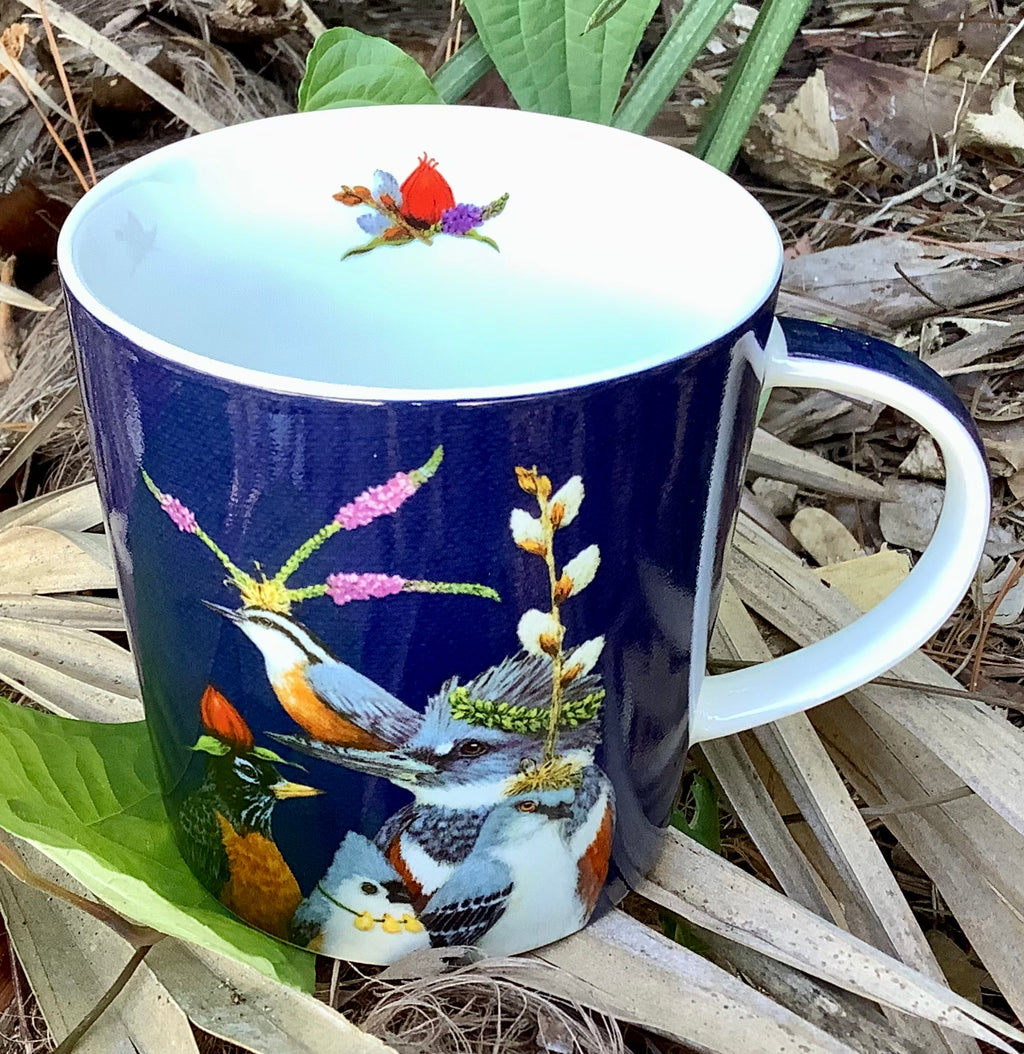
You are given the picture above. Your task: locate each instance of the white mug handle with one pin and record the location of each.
(810, 355)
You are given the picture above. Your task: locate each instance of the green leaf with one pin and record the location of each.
(86, 794)
(705, 827)
(672, 57)
(463, 70)
(349, 68)
(269, 755)
(549, 64)
(602, 13)
(211, 745)
(755, 67)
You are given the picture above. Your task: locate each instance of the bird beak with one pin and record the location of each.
(229, 613)
(286, 789)
(389, 764)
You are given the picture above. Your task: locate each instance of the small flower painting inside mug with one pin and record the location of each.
(423, 206)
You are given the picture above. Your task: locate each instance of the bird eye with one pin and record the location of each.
(527, 806)
(368, 887)
(472, 748)
(247, 770)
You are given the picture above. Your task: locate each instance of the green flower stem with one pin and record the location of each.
(307, 592)
(420, 475)
(237, 576)
(240, 578)
(463, 70)
(470, 589)
(758, 61)
(304, 551)
(673, 56)
(478, 237)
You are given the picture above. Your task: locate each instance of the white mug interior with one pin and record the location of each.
(224, 252)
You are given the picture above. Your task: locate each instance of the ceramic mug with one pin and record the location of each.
(420, 433)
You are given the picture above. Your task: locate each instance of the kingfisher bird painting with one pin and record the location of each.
(504, 839)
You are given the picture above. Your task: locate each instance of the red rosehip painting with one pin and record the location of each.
(422, 207)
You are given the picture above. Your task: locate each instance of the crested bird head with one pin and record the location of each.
(243, 776)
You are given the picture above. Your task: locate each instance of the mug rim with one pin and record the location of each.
(78, 289)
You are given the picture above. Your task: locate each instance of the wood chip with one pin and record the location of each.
(824, 537)
(771, 457)
(868, 580)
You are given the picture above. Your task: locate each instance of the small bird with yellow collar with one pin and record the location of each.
(360, 909)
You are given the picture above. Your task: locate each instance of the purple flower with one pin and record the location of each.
(373, 223)
(461, 218)
(376, 501)
(345, 586)
(182, 518)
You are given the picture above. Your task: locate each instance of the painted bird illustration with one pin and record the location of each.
(458, 772)
(226, 822)
(360, 909)
(521, 878)
(333, 703)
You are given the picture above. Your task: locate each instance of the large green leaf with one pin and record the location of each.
(547, 60)
(86, 794)
(349, 68)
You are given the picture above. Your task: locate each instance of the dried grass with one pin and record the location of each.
(45, 372)
(476, 1010)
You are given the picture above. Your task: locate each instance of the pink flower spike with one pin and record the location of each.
(183, 518)
(376, 501)
(345, 586)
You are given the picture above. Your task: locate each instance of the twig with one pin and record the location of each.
(724, 665)
(6, 344)
(74, 1037)
(118, 59)
(18, 72)
(314, 27)
(440, 53)
(19, 995)
(907, 195)
(68, 96)
(988, 619)
(876, 812)
(913, 285)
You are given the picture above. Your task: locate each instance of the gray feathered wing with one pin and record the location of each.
(468, 904)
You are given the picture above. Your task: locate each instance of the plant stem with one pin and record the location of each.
(548, 532)
(673, 56)
(758, 61)
(74, 1037)
(463, 70)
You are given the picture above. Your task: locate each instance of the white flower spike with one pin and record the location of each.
(566, 501)
(582, 568)
(537, 630)
(586, 655)
(525, 528)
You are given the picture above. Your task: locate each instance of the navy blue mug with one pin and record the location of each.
(421, 433)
